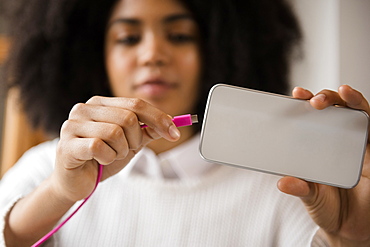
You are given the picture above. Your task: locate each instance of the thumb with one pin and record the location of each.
(295, 187)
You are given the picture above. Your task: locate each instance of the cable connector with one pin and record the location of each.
(183, 120)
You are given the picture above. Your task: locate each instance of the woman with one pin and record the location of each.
(159, 59)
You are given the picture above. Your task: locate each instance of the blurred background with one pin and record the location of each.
(336, 44)
(336, 50)
(3, 52)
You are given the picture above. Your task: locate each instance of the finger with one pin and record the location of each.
(81, 150)
(294, 186)
(306, 191)
(301, 93)
(149, 135)
(159, 121)
(126, 119)
(326, 98)
(111, 134)
(353, 98)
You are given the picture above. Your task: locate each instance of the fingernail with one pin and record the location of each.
(174, 132)
(320, 97)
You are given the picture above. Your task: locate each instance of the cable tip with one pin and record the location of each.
(194, 118)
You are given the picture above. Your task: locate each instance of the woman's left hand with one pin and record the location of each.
(342, 214)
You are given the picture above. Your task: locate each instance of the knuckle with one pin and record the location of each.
(162, 121)
(138, 104)
(95, 145)
(94, 100)
(99, 151)
(76, 109)
(130, 119)
(66, 127)
(116, 132)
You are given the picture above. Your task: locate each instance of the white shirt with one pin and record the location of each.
(173, 199)
(178, 163)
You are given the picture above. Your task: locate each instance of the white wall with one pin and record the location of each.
(336, 44)
(319, 21)
(355, 44)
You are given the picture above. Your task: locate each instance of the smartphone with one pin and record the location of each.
(285, 136)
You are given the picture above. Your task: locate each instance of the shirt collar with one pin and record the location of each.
(181, 162)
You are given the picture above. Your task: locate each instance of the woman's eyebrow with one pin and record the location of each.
(166, 20)
(177, 17)
(130, 21)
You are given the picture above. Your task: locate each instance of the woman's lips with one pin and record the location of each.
(154, 88)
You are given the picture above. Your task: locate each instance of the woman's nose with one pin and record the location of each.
(153, 51)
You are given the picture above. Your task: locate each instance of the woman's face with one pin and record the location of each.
(152, 53)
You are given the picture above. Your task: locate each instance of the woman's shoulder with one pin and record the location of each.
(29, 171)
(38, 161)
(43, 152)
(44, 146)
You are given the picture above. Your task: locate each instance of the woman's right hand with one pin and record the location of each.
(104, 131)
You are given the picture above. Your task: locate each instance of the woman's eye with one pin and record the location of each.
(181, 38)
(129, 40)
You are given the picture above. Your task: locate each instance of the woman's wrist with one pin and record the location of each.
(58, 193)
(35, 214)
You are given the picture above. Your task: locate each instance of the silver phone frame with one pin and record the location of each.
(259, 170)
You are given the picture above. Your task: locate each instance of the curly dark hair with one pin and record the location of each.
(57, 57)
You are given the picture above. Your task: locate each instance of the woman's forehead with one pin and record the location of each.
(142, 9)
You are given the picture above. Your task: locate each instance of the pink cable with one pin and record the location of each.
(48, 235)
